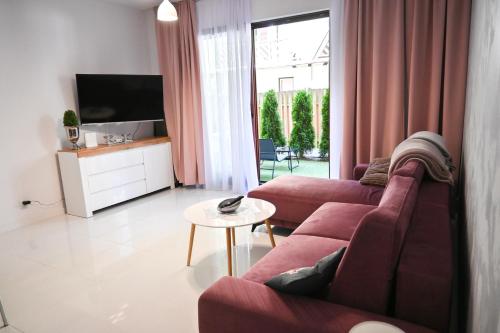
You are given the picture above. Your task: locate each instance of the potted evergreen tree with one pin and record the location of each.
(324, 146)
(70, 121)
(302, 136)
(271, 126)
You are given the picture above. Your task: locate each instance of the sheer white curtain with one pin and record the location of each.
(225, 53)
(336, 85)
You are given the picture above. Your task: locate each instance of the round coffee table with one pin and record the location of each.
(205, 214)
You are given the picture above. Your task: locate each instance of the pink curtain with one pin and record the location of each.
(405, 71)
(179, 64)
(254, 108)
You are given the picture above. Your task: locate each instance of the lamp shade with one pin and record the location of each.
(166, 12)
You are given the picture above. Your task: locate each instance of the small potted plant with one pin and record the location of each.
(70, 122)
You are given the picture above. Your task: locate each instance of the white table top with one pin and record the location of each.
(251, 211)
(375, 327)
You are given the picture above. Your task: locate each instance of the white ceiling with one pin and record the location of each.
(141, 4)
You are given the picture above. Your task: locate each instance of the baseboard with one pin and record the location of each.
(33, 214)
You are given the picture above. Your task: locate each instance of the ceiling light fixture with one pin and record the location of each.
(166, 12)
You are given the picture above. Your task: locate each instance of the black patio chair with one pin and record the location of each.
(292, 155)
(268, 152)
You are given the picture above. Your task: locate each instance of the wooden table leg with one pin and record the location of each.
(270, 232)
(229, 250)
(191, 239)
(233, 236)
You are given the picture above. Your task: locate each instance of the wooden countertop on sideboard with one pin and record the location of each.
(105, 149)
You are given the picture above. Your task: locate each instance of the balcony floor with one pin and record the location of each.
(310, 168)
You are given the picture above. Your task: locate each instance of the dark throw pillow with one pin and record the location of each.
(377, 172)
(307, 281)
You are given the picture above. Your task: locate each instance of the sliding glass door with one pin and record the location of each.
(291, 93)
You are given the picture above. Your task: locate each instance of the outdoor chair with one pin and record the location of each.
(268, 152)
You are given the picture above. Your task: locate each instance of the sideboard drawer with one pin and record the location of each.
(106, 180)
(115, 195)
(113, 161)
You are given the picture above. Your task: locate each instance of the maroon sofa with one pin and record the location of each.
(397, 267)
(297, 197)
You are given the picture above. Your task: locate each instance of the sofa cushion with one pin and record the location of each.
(334, 220)
(236, 305)
(364, 279)
(377, 172)
(359, 170)
(294, 252)
(308, 281)
(297, 197)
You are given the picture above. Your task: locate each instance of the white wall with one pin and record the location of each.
(482, 168)
(43, 43)
(268, 9)
(151, 31)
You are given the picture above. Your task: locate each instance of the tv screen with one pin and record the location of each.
(119, 98)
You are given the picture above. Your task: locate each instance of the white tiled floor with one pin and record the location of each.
(124, 270)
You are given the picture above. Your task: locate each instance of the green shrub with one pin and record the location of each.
(324, 145)
(270, 125)
(70, 118)
(302, 137)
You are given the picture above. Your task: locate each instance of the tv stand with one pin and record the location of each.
(99, 177)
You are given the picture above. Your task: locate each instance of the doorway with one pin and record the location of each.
(291, 59)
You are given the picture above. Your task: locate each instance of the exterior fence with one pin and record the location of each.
(285, 100)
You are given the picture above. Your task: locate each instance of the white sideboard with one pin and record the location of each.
(95, 178)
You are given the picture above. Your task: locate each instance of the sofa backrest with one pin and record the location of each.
(364, 279)
(425, 271)
(412, 168)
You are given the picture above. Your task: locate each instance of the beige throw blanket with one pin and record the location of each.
(428, 148)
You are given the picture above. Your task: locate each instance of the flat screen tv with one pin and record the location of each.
(119, 98)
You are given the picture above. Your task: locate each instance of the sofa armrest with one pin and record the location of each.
(359, 170)
(243, 306)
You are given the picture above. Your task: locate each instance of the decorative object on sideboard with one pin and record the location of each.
(160, 128)
(166, 12)
(90, 140)
(112, 139)
(71, 126)
(229, 206)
